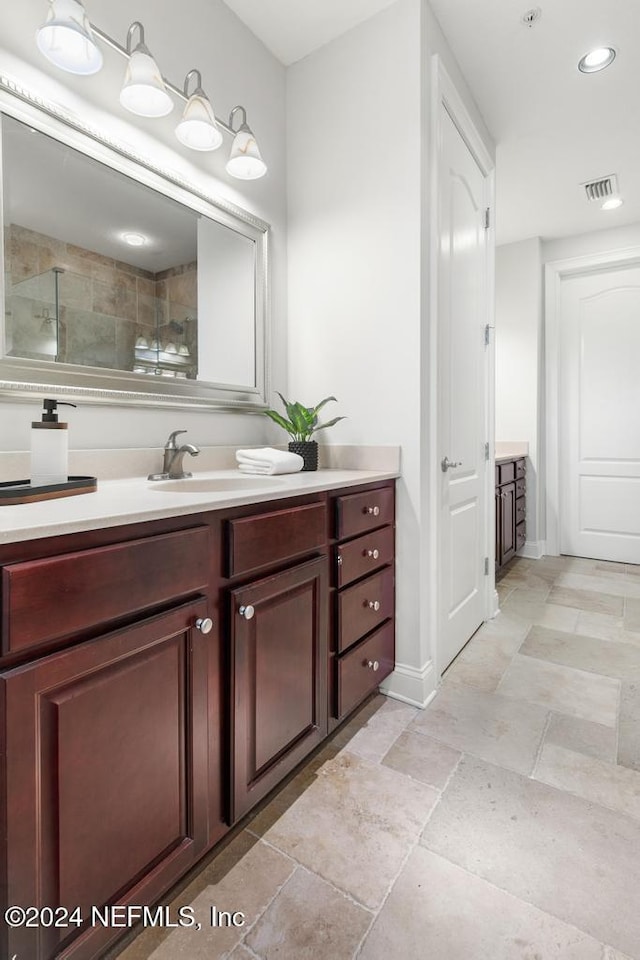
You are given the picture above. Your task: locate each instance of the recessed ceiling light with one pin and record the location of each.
(612, 203)
(134, 239)
(597, 59)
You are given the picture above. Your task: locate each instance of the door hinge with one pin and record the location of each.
(487, 334)
(487, 218)
(486, 566)
(486, 450)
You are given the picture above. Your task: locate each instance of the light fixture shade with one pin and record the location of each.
(66, 39)
(143, 91)
(245, 161)
(198, 129)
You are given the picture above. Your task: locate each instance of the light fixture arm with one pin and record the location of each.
(198, 76)
(232, 117)
(130, 32)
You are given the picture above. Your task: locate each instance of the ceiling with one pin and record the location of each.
(554, 127)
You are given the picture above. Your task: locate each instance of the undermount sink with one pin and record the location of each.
(213, 484)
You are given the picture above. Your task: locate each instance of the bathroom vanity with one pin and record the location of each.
(511, 508)
(161, 676)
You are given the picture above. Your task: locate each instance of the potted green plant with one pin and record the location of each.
(301, 425)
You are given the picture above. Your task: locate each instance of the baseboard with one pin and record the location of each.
(533, 550)
(416, 686)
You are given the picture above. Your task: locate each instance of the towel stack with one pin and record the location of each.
(268, 461)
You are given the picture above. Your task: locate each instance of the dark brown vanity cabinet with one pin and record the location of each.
(157, 680)
(279, 657)
(363, 648)
(107, 752)
(511, 530)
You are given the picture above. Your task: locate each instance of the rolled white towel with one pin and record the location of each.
(268, 461)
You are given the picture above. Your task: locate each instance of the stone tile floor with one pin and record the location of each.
(501, 823)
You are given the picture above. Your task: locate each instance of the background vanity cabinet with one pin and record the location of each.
(363, 647)
(511, 531)
(107, 742)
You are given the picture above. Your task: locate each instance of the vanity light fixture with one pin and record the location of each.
(596, 60)
(68, 40)
(143, 91)
(198, 128)
(245, 161)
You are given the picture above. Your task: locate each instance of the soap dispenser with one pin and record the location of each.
(49, 447)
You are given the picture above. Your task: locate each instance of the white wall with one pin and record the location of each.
(599, 241)
(236, 68)
(358, 120)
(518, 362)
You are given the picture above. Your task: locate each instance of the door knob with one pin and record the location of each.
(204, 624)
(247, 612)
(449, 464)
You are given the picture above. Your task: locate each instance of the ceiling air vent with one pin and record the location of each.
(601, 189)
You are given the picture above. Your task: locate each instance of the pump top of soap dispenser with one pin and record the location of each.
(50, 415)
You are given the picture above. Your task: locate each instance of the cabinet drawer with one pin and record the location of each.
(43, 600)
(521, 469)
(359, 557)
(521, 509)
(521, 487)
(507, 472)
(270, 538)
(364, 606)
(359, 512)
(521, 535)
(357, 673)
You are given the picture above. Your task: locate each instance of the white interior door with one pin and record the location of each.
(599, 394)
(462, 315)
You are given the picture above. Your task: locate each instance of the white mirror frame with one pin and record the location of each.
(34, 378)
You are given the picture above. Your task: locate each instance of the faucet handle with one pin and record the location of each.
(171, 442)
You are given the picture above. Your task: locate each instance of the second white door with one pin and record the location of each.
(599, 403)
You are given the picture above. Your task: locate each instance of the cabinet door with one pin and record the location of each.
(106, 776)
(279, 651)
(507, 522)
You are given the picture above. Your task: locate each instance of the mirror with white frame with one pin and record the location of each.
(123, 283)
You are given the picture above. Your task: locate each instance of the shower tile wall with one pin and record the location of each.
(106, 304)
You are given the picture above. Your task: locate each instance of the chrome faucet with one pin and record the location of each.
(172, 468)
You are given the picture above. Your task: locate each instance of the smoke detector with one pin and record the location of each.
(531, 17)
(602, 189)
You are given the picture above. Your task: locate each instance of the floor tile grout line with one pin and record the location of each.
(513, 896)
(405, 860)
(330, 883)
(536, 760)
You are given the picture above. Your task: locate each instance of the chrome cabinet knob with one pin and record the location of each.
(447, 464)
(373, 665)
(204, 624)
(374, 605)
(373, 554)
(339, 560)
(374, 511)
(247, 612)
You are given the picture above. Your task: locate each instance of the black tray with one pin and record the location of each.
(21, 491)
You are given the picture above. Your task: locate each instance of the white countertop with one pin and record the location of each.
(122, 501)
